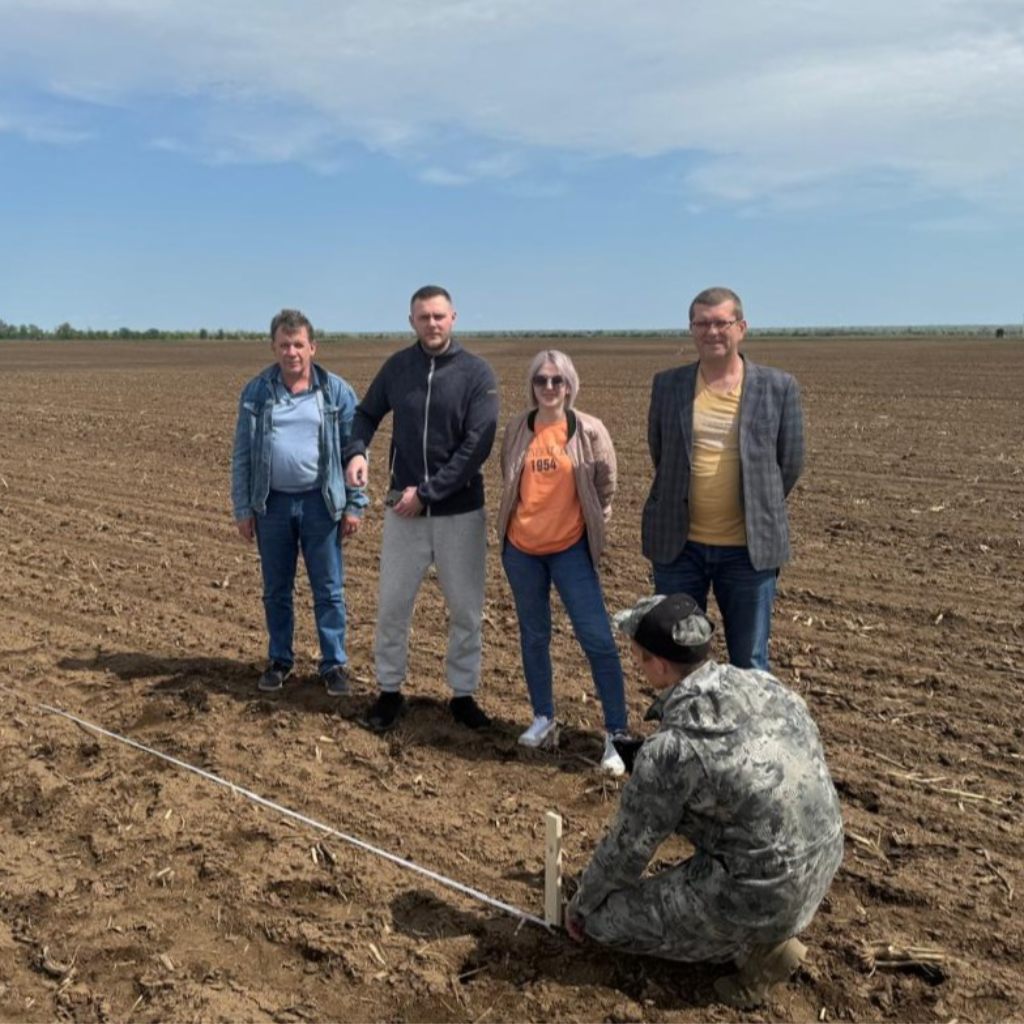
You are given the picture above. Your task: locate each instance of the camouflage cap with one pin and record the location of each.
(672, 627)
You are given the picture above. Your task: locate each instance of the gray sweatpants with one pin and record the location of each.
(457, 546)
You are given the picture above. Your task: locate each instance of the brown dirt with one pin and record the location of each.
(128, 598)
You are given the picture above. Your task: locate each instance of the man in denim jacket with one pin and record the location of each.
(288, 493)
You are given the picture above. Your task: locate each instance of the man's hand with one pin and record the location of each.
(409, 505)
(349, 526)
(357, 471)
(574, 926)
(247, 528)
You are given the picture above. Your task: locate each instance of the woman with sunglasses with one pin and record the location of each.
(558, 472)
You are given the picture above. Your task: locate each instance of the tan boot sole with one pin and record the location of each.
(751, 986)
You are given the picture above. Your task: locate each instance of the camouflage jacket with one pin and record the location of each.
(737, 768)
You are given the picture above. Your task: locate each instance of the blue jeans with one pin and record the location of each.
(291, 522)
(744, 595)
(576, 581)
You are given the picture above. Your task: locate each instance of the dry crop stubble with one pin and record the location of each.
(129, 599)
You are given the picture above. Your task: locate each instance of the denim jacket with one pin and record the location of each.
(250, 460)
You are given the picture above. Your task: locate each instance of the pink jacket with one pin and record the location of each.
(593, 458)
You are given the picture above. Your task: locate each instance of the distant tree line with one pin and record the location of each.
(66, 331)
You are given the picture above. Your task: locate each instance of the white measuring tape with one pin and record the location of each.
(289, 813)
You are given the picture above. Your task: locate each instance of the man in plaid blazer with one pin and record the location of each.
(727, 440)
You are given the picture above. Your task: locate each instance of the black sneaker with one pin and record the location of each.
(336, 681)
(385, 711)
(274, 676)
(467, 712)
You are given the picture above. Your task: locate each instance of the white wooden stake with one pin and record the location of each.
(553, 869)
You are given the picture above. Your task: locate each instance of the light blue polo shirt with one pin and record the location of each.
(295, 442)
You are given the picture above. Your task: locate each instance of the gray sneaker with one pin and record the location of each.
(274, 676)
(611, 760)
(336, 681)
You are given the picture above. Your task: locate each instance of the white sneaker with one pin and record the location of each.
(543, 731)
(611, 763)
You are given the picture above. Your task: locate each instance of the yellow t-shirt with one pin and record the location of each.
(716, 515)
(548, 516)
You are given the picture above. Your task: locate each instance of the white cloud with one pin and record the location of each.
(42, 128)
(764, 103)
(443, 177)
(501, 167)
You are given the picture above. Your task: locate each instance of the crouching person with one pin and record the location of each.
(736, 767)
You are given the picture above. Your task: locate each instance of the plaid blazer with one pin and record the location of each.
(771, 457)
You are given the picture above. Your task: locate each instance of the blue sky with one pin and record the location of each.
(556, 163)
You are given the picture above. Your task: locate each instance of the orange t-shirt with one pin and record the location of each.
(548, 516)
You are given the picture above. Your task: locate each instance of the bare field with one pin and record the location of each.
(132, 890)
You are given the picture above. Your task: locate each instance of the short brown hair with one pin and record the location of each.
(430, 291)
(291, 321)
(715, 297)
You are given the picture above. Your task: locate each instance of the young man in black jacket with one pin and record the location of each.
(445, 406)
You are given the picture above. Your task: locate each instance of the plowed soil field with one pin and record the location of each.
(133, 889)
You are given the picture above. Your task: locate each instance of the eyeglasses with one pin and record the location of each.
(708, 325)
(541, 380)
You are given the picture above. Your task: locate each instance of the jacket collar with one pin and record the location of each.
(570, 419)
(688, 377)
(453, 349)
(272, 375)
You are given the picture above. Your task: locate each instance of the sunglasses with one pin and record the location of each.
(541, 380)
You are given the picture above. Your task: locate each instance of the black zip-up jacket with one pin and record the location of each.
(445, 419)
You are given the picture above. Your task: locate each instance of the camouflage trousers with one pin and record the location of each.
(673, 914)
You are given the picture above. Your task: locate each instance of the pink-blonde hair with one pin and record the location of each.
(563, 364)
